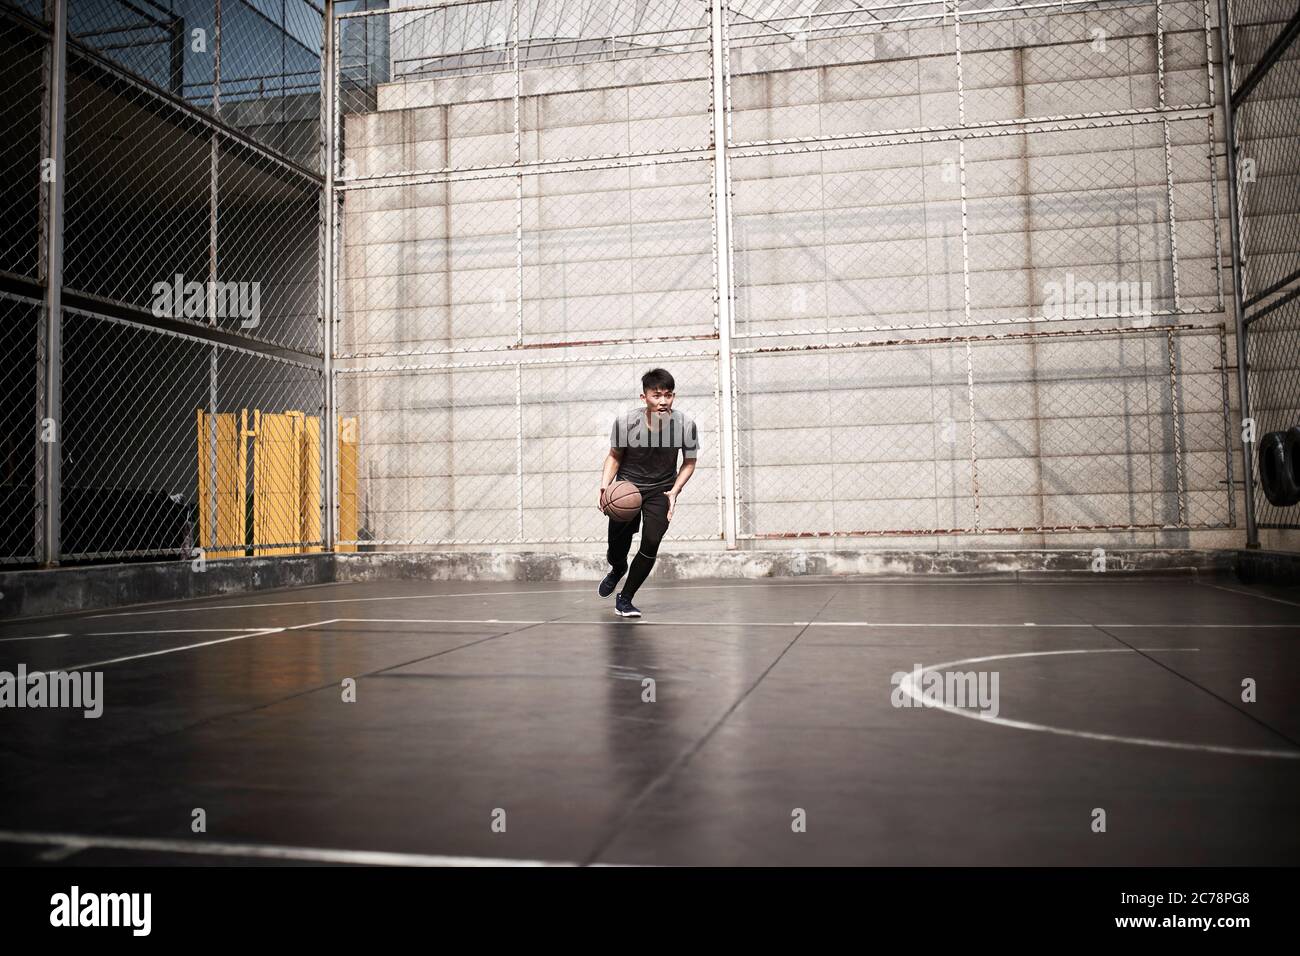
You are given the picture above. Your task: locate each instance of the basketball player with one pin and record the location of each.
(643, 447)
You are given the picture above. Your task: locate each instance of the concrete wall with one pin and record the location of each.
(72, 591)
(1079, 431)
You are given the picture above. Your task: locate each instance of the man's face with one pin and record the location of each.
(658, 402)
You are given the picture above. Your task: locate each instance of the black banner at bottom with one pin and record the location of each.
(298, 905)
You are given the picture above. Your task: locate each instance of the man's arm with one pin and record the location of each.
(608, 472)
(612, 461)
(689, 453)
(683, 476)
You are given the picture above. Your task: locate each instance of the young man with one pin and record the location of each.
(643, 448)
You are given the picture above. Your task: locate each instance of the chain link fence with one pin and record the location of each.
(255, 63)
(1050, 430)
(527, 226)
(991, 228)
(949, 268)
(24, 43)
(134, 458)
(21, 151)
(492, 451)
(187, 390)
(20, 321)
(932, 207)
(1266, 106)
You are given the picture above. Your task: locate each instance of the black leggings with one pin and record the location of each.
(654, 511)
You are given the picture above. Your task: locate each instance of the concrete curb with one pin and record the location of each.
(549, 566)
(37, 593)
(1268, 567)
(41, 593)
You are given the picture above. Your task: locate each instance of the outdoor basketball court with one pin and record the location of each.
(514, 722)
(347, 347)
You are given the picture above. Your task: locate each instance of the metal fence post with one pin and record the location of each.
(214, 531)
(329, 423)
(49, 415)
(1239, 324)
(722, 230)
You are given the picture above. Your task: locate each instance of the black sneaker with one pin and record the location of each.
(611, 581)
(623, 607)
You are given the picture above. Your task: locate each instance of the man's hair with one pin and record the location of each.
(657, 378)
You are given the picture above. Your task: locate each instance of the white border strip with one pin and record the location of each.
(581, 588)
(34, 637)
(76, 842)
(1262, 597)
(188, 647)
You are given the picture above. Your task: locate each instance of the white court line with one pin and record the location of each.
(74, 842)
(579, 588)
(1232, 627)
(644, 621)
(179, 630)
(609, 620)
(185, 630)
(1262, 597)
(1026, 624)
(715, 623)
(190, 647)
(432, 620)
(927, 624)
(59, 853)
(257, 632)
(908, 686)
(408, 620)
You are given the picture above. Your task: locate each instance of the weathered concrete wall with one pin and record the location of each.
(817, 562)
(885, 564)
(1272, 567)
(68, 590)
(1077, 432)
(31, 594)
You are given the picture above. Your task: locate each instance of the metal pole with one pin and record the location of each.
(1175, 408)
(1239, 324)
(51, 399)
(965, 268)
(722, 229)
(519, 272)
(214, 531)
(329, 159)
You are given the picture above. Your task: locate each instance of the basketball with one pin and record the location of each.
(622, 501)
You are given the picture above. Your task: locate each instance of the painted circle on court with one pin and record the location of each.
(908, 686)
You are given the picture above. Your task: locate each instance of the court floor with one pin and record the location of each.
(755, 722)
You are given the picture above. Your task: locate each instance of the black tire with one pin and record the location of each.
(1291, 451)
(1277, 473)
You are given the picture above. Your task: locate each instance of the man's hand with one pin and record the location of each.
(601, 505)
(672, 503)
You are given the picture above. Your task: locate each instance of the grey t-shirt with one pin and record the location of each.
(650, 459)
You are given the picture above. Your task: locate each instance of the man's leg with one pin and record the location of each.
(655, 523)
(620, 539)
